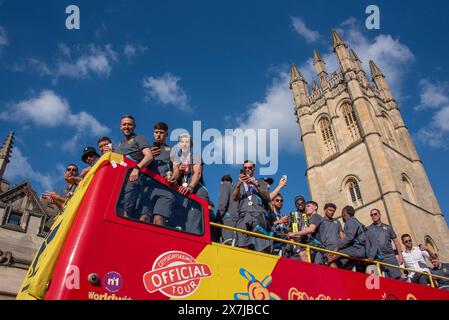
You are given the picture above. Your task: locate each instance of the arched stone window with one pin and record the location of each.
(353, 192)
(389, 136)
(351, 122)
(327, 135)
(409, 190)
(430, 243)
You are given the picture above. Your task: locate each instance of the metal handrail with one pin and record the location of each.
(309, 247)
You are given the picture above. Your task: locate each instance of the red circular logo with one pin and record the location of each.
(175, 274)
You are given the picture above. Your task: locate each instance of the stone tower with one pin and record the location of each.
(359, 151)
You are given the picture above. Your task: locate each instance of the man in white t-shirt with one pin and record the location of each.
(415, 258)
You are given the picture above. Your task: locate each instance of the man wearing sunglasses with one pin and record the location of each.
(67, 191)
(381, 235)
(415, 258)
(253, 197)
(280, 222)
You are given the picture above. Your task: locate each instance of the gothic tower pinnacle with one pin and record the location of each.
(379, 80)
(340, 48)
(5, 153)
(320, 68)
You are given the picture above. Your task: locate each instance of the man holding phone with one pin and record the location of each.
(253, 197)
(105, 145)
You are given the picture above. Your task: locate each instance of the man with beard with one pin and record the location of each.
(137, 148)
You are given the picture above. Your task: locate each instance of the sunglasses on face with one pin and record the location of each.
(71, 170)
(90, 155)
(279, 200)
(248, 168)
(374, 214)
(407, 241)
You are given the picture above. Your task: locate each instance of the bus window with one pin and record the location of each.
(148, 201)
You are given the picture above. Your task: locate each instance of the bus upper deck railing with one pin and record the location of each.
(309, 248)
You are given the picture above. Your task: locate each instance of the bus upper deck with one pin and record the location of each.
(99, 250)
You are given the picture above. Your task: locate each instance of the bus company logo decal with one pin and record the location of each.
(175, 274)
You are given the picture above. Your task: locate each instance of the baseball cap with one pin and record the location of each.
(87, 151)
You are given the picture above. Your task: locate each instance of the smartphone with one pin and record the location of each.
(242, 171)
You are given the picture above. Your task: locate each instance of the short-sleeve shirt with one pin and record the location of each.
(162, 163)
(383, 234)
(250, 198)
(330, 232)
(354, 233)
(444, 272)
(68, 190)
(133, 147)
(315, 219)
(191, 160)
(416, 259)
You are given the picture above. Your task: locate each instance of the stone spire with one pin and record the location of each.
(381, 83)
(355, 59)
(340, 48)
(299, 87)
(375, 71)
(320, 68)
(359, 68)
(337, 40)
(5, 153)
(295, 75)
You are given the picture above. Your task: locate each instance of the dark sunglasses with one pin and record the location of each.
(279, 200)
(407, 241)
(250, 168)
(374, 214)
(71, 170)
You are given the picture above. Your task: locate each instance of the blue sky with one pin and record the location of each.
(225, 63)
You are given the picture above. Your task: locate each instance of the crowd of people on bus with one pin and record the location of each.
(250, 204)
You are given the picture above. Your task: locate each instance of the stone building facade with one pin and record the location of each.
(24, 222)
(359, 151)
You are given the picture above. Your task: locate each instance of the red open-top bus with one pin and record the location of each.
(94, 251)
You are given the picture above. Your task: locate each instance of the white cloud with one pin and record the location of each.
(98, 60)
(73, 62)
(166, 90)
(65, 50)
(46, 110)
(309, 35)
(389, 54)
(267, 128)
(433, 95)
(20, 169)
(131, 50)
(51, 111)
(275, 111)
(3, 37)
